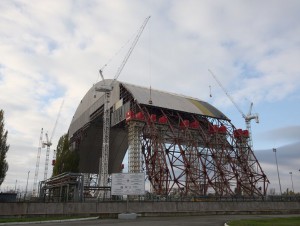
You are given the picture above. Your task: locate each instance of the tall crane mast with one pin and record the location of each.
(247, 117)
(37, 164)
(48, 142)
(106, 89)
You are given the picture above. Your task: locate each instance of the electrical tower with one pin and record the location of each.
(247, 117)
(37, 165)
(106, 89)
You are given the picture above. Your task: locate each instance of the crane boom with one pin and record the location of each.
(247, 117)
(227, 94)
(48, 142)
(55, 125)
(107, 88)
(131, 48)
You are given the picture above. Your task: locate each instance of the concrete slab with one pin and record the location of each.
(127, 216)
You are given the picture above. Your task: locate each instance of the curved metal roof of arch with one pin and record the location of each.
(94, 100)
(173, 101)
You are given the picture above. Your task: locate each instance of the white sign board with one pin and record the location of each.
(128, 184)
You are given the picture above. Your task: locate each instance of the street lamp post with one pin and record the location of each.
(291, 173)
(274, 150)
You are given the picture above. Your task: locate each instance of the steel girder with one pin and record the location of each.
(188, 154)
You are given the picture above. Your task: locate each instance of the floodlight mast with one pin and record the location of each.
(247, 117)
(106, 89)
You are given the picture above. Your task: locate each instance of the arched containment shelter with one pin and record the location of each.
(184, 145)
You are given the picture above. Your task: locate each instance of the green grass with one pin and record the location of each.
(31, 219)
(292, 221)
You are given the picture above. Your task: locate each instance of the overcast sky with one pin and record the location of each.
(51, 51)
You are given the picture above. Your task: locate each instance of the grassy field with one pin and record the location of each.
(292, 221)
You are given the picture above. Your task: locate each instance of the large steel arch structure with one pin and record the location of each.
(185, 146)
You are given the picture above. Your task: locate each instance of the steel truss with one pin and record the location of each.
(72, 187)
(63, 188)
(188, 154)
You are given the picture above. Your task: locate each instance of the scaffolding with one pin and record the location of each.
(134, 147)
(72, 187)
(65, 187)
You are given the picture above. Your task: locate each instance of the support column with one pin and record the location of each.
(134, 144)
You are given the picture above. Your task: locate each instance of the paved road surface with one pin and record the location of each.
(212, 220)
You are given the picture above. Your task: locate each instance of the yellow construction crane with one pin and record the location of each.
(247, 117)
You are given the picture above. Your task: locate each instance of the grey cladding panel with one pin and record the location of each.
(119, 114)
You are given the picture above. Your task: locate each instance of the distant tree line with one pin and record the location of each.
(67, 160)
(3, 148)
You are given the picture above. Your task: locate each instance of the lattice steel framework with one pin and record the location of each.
(134, 147)
(189, 154)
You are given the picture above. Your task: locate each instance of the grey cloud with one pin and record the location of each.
(290, 133)
(288, 155)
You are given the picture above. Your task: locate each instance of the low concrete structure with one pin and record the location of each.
(127, 216)
(112, 209)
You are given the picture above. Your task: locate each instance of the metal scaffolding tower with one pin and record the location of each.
(134, 149)
(37, 165)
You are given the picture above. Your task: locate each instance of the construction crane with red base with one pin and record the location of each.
(106, 89)
(247, 117)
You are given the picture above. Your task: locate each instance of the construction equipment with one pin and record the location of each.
(37, 164)
(247, 117)
(106, 89)
(48, 142)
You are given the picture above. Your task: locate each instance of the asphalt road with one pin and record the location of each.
(215, 220)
